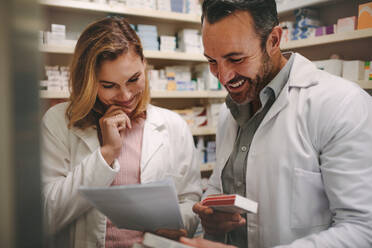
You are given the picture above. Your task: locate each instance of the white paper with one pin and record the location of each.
(144, 207)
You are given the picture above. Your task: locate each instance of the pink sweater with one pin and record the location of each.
(129, 173)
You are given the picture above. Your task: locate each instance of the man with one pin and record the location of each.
(295, 139)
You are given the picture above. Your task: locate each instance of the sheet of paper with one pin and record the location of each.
(144, 207)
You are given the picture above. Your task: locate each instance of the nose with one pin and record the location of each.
(123, 94)
(225, 73)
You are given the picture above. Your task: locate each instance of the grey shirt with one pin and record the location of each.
(234, 173)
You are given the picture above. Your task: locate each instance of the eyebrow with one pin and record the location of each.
(109, 82)
(227, 55)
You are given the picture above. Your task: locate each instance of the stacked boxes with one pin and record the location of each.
(149, 36)
(167, 43)
(307, 20)
(365, 16)
(353, 70)
(163, 5)
(177, 6)
(57, 78)
(189, 41)
(347, 24)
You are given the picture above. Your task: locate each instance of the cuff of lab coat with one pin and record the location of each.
(115, 167)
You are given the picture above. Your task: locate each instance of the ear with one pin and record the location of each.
(273, 41)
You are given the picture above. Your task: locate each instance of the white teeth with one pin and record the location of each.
(237, 84)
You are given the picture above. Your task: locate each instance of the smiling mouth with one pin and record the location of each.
(237, 84)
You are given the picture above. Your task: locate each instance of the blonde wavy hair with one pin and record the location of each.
(103, 40)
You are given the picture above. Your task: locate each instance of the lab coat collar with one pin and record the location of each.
(302, 73)
(302, 76)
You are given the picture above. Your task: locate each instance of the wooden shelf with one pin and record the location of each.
(207, 167)
(121, 9)
(175, 56)
(189, 94)
(327, 39)
(287, 8)
(154, 94)
(68, 49)
(203, 131)
(367, 85)
(54, 94)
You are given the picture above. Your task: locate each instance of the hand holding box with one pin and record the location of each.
(231, 203)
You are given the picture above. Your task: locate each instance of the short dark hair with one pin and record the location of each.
(263, 12)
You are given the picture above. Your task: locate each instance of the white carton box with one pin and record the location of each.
(353, 70)
(333, 66)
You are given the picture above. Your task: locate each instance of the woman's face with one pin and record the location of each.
(122, 81)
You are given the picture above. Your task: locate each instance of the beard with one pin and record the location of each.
(257, 83)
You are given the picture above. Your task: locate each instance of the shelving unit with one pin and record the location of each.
(353, 45)
(118, 9)
(207, 167)
(328, 39)
(149, 54)
(286, 8)
(154, 94)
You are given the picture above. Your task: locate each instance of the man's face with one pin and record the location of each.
(235, 57)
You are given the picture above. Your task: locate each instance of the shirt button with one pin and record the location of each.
(244, 148)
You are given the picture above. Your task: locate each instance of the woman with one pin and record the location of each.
(108, 134)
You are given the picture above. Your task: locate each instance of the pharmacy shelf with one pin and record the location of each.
(203, 131)
(328, 39)
(194, 57)
(189, 94)
(367, 85)
(121, 9)
(287, 8)
(154, 94)
(54, 94)
(207, 167)
(175, 56)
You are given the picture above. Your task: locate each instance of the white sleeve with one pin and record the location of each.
(346, 166)
(189, 185)
(61, 180)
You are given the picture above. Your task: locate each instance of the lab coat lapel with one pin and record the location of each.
(89, 136)
(301, 76)
(228, 138)
(152, 136)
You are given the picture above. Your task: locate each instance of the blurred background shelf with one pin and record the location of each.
(154, 94)
(327, 39)
(121, 9)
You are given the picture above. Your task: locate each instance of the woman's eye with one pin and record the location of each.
(212, 62)
(107, 86)
(133, 80)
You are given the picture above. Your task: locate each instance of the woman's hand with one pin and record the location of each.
(203, 243)
(113, 125)
(171, 234)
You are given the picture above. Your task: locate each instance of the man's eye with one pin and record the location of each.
(133, 80)
(236, 60)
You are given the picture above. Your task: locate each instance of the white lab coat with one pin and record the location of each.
(310, 164)
(71, 158)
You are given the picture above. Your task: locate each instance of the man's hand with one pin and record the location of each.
(202, 243)
(171, 234)
(215, 222)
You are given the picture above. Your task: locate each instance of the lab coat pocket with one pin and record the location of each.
(310, 206)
